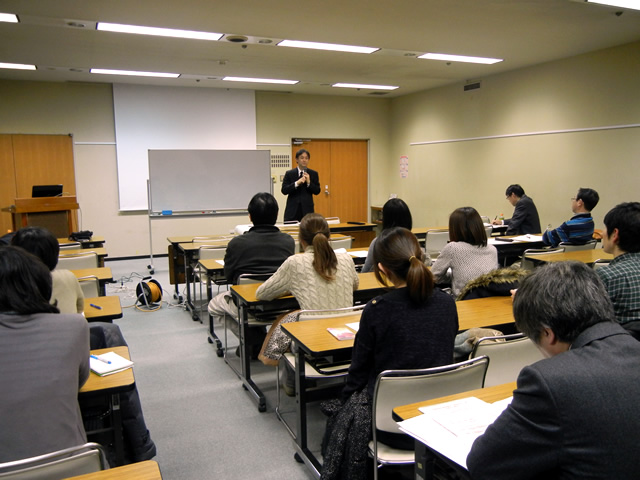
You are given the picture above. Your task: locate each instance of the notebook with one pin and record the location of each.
(108, 363)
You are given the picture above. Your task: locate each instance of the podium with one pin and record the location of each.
(57, 214)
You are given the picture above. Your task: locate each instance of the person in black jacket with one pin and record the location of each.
(300, 184)
(525, 217)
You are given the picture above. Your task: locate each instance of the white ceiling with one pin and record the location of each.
(522, 32)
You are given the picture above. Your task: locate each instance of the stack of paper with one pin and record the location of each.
(108, 363)
(450, 428)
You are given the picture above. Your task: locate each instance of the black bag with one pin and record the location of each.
(82, 236)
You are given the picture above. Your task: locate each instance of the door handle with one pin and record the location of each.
(326, 189)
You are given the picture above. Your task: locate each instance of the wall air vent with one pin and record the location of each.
(471, 86)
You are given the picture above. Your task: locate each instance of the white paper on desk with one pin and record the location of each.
(221, 262)
(355, 326)
(359, 253)
(340, 250)
(528, 238)
(450, 428)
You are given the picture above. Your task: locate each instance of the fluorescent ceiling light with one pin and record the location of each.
(631, 4)
(460, 58)
(326, 46)
(17, 66)
(161, 32)
(104, 71)
(359, 85)
(260, 80)
(8, 17)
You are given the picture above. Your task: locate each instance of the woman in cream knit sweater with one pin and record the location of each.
(318, 279)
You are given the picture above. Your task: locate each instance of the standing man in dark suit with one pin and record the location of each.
(574, 414)
(525, 217)
(300, 184)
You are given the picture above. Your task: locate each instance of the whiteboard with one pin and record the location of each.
(155, 118)
(206, 181)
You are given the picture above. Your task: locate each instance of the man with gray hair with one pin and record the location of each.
(573, 415)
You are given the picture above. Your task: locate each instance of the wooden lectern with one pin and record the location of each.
(56, 214)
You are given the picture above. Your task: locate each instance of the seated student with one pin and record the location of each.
(579, 228)
(525, 217)
(45, 360)
(318, 279)
(395, 213)
(621, 277)
(467, 254)
(262, 249)
(413, 326)
(66, 294)
(573, 415)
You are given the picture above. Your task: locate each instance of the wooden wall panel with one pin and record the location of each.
(43, 160)
(7, 182)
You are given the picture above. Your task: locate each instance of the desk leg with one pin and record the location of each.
(245, 355)
(424, 462)
(188, 273)
(116, 419)
(213, 338)
(301, 421)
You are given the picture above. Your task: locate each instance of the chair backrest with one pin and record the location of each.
(600, 263)
(489, 230)
(332, 220)
(343, 242)
(70, 462)
(77, 261)
(508, 355)
(485, 219)
(215, 252)
(90, 286)
(70, 246)
(435, 241)
(401, 387)
(528, 264)
(572, 247)
(246, 278)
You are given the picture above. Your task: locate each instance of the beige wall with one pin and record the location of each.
(86, 111)
(593, 90)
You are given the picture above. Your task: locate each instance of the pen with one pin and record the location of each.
(96, 306)
(102, 360)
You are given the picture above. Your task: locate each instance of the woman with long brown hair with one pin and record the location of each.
(318, 278)
(412, 326)
(467, 255)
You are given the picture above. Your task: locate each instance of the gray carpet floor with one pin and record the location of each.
(202, 421)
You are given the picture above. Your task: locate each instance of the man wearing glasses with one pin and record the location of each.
(578, 230)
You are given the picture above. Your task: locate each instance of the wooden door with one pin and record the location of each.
(7, 182)
(43, 160)
(342, 166)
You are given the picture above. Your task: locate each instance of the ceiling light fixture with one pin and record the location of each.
(260, 80)
(359, 85)
(630, 4)
(105, 71)
(326, 46)
(460, 58)
(17, 66)
(8, 17)
(161, 32)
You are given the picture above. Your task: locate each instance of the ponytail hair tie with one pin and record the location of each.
(411, 258)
